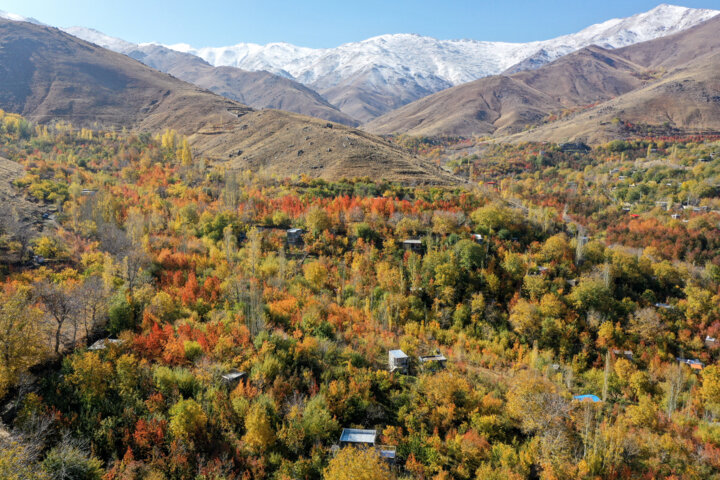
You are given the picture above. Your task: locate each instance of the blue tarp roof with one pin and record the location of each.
(584, 398)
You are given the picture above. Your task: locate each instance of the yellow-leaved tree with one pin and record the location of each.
(185, 154)
(358, 464)
(21, 343)
(187, 420)
(710, 391)
(258, 425)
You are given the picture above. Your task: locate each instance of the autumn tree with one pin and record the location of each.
(61, 303)
(21, 343)
(710, 390)
(185, 155)
(358, 464)
(260, 434)
(18, 460)
(93, 296)
(71, 460)
(187, 420)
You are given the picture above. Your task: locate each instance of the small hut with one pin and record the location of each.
(294, 236)
(398, 360)
(360, 438)
(437, 360)
(232, 378)
(414, 245)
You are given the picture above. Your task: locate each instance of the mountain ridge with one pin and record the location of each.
(256, 89)
(668, 84)
(49, 75)
(436, 64)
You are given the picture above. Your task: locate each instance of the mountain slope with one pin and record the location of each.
(256, 89)
(372, 77)
(46, 74)
(506, 104)
(685, 97)
(671, 81)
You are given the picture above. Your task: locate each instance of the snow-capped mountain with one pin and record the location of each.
(387, 64)
(369, 78)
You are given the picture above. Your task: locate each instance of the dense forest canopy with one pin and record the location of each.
(158, 320)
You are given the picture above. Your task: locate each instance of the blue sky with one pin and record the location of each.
(322, 23)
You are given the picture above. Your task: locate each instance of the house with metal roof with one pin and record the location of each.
(438, 360)
(623, 353)
(294, 236)
(232, 378)
(693, 363)
(360, 438)
(357, 436)
(398, 360)
(414, 245)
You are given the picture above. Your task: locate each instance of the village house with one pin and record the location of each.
(438, 360)
(414, 245)
(695, 364)
(398, 360)
(294, 236)
(232, 378)
(623, 353)
(360, 438)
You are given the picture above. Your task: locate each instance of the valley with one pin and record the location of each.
(401, 258)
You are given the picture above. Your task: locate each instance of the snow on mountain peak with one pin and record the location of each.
(436, 64)
(18, 18)
(98, 38)
(375, 75)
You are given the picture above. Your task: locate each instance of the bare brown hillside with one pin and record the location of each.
(48, 75)
(687, 100)
(509, 103)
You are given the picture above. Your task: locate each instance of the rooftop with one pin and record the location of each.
(397, 354)
(587, 398)
(356, 435)
(233, 376)
(433, 358)
(387, 451)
